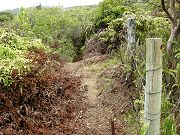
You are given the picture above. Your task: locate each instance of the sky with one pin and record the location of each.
(12, 4)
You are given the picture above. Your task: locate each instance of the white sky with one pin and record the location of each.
(12, 4)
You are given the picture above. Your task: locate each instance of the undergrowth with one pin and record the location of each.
(169, 107)
(13, 50)
(37, 94)
(45, 100)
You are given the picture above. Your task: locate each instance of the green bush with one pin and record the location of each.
(13, 51)
(5, 16)
(71, 25)
(107, 11)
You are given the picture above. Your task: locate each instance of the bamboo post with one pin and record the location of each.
(153, 85)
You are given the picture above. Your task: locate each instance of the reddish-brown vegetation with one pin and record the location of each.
(45, 101)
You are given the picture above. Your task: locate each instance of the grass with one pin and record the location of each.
(97, 67)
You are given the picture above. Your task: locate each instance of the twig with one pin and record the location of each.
(112, 127)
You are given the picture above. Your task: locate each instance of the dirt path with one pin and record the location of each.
(89, 80)
(99, 117)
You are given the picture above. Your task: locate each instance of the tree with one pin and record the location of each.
(175, 22)
(172, 10)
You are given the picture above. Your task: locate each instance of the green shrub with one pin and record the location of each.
(71, 25)
(13, 51)
(5, 16)
(107, 11)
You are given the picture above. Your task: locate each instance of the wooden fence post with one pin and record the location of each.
(130, 52)
(153, 89)
(131, 32)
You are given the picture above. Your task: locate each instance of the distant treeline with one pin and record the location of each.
(5, 16)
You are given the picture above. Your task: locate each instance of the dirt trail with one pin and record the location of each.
(98, 117)
(89, 80)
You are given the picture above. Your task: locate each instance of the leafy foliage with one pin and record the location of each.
(13, 49)
(92, 31)
(57, 26)
(40, 101)
(147, 26)
(107, 11)
(5, 16)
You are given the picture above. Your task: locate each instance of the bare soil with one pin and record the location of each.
(108, 97)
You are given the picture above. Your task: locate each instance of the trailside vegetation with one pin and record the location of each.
(35, 43)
